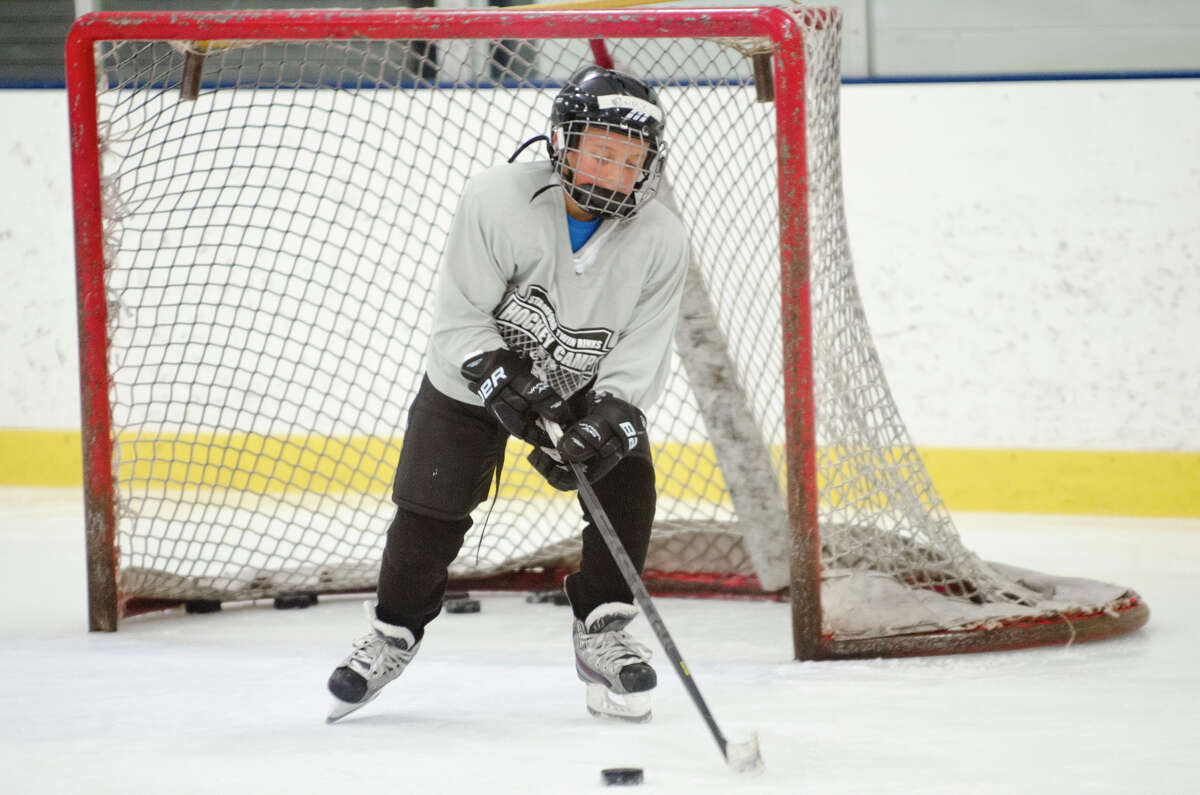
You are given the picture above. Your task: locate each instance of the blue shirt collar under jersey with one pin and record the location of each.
(580, 231)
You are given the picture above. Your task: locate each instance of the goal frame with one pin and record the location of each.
(1086, 610)
(788, 68)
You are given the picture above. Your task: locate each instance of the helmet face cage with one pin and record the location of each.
(606, 141)
(610, 170)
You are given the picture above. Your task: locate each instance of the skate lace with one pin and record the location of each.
(379, 657)
(618, 647)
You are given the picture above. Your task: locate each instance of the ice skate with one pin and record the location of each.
(613, 665)
(378, 657)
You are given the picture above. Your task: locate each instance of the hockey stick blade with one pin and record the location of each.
(745, 757)
(741, 757)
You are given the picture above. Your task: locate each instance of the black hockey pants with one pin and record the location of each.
(448, 459)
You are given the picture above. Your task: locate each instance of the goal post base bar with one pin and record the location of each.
(1058, 630)
(659, 583)
(1051, 631)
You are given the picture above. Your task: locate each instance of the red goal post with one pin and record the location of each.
(247, 183)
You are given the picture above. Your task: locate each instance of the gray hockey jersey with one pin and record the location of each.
(508, 278)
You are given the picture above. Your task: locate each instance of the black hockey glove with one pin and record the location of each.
(609, 431)
(504, 380)
(548, 462)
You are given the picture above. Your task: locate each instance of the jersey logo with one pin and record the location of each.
(567, 357)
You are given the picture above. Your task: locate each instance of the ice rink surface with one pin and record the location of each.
(234, 701)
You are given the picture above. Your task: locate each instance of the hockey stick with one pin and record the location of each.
(742, 757)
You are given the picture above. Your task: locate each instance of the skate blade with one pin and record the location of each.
(340, 709)
(745, 757)
(630, 707)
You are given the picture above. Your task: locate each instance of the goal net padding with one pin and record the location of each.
(261, 202)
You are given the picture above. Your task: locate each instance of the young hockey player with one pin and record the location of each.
(557, 302)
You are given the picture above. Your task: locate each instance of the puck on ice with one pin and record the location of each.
(622, 776)
(461, 605)
(291, 601)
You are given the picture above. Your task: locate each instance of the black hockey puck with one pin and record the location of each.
(290, 601)
(202, 606)
(461, 605)
(547, 597)
(622, 776)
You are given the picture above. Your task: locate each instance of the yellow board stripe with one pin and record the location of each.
(361, 464)
(1115, 483)
(1007, 481)
(40, 458)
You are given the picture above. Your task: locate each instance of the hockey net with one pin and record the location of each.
(272, 196)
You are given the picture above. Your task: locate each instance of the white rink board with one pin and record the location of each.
(1044, 228)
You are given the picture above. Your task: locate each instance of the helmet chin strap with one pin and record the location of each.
(529, 143)
(601, 201)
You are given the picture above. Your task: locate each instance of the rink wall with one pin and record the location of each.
(1028, 253)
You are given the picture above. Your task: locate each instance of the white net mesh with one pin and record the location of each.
(271, 246)
(271, 250)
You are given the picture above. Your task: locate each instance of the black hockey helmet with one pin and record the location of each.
(604, 98)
